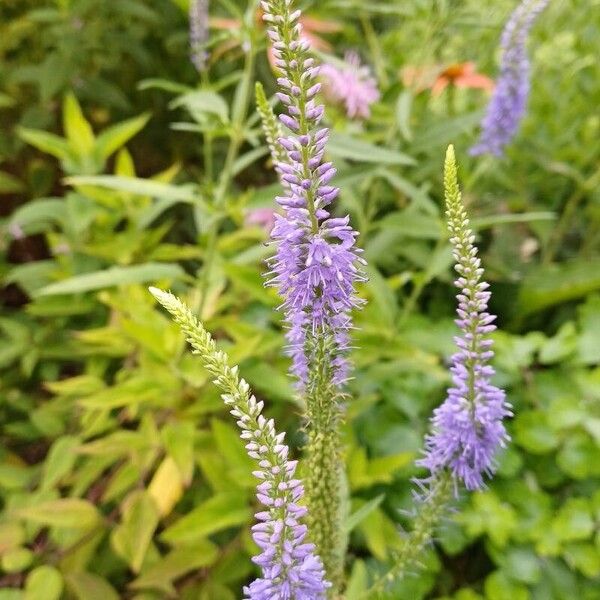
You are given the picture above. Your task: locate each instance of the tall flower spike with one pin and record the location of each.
(468, 429)
(271, 127)
(317, 262)
(198, 16)
(290, 568)
(509, 100)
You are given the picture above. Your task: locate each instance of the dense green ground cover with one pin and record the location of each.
(120, 474)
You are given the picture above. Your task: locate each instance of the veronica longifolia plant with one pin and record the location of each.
(289, 565)
(467, 434)
(315, 268)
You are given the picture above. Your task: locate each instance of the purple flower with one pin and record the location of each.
(317, 262)
(290, 568)
(468, 427)
(509, 100)
(352, 84)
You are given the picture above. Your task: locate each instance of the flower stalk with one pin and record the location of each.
(290, 568)
(315, 269)
(468, 429)
(432, 499)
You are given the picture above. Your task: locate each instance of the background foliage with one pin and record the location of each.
(120, 474)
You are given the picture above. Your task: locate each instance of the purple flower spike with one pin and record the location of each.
(317, 263)
(198, 15)
(291, 570)
(468, 428)
(509, 100)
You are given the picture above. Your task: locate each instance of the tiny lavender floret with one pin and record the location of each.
(350, 84)
(290, 568)
(468, 429)
(317, 262)
(509, 100)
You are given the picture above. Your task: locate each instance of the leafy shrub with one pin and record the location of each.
(120, 475)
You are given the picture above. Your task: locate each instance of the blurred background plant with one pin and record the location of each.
(121, 165)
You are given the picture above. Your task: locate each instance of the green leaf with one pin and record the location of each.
(88, 586)
(266, 378)
(131, 538)
(574, 520)
(161, 574)
(116, 136)
(200, 103)
(498, 586)
(559, 347)
(490, 515)
(46, 142)
(345, 146)
(444, 132)
(114, 276)
(59, 461)
(11, 594)
(178, 438)
(588, 342)
(39, 212)
(9, 184)
(12, 535)
(403, 109)
(583, 557)
(579, 457)
(138, 186)
(412, 223)
(492, 220)
(358, 581)
(215, 514)
(383, 296)
(16, 559)
(77, 130)
(140, 387)
(548, 285)
(44, 583)
(521, 564)
(249, 280)
(364, 511)
(534, 434)
(164, 84)
(73, 513)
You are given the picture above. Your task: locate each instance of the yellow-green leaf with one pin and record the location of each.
(87, 586)
(44, 583)
(132, 537)
(116, 136)
(160, 575)
(77, 130)
(66, 512)
(215, 514)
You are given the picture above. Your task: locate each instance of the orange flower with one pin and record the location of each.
(437, 78)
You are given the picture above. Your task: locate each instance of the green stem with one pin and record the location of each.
(428, 516)
(324, 472)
